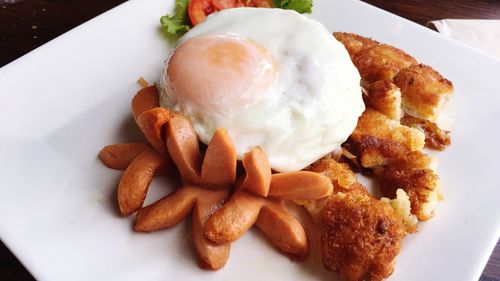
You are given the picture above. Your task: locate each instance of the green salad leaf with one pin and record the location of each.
(177, 24)
(301, 6)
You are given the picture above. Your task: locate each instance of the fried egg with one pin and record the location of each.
(272, 78)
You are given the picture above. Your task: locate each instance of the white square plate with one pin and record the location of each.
(61, 103)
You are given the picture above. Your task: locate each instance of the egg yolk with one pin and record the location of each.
(222, 74)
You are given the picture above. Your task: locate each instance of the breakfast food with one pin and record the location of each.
(206, 183)
(119, 156)
(424, 91)
(384, 97)
(377, 139)
(361, 236)
(414, 174)
(207, 179)
(295, 115)
(435, 137)
(383, 143)
(191, 12)
(259, 200)
(298, 100)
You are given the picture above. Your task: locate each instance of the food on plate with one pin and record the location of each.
(200, 9)
(340, 174)
(200, 194)
(384, 97)
(302, 116)
(174, 208)
(387, 144)
(381, 62)
(414, 174)
(377, 139)
(206, 182)
(344, 180)
(146, 99)
(391, 148)
(424, 91)
(361, 236)
(402, 205)
(435, 137)
(183, 146)
(354, 43)
(136, 179)
(207, 178)
(149, 117)
(296, 99)
(191, 12)
(119, 156)
(375, 61)
(258, 200)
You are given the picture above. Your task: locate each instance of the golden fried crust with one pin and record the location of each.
(385, 97)
(378, 138)
(376, 124)
(435, 138)
(413, 175)
(360, 237)
(340, 174)
(374, 152)
(381, 62)
(342, 178)
(354, 43)
(359, 188)
(424, 91)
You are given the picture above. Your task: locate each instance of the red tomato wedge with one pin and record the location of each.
(223, 4)
(199, 9)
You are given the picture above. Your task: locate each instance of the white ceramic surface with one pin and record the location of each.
(65, 100)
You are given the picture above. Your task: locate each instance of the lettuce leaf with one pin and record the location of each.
(301, 6)
(176, 24)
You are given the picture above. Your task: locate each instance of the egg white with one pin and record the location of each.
(313, 106)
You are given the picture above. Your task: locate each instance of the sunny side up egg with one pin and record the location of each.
(272, 78)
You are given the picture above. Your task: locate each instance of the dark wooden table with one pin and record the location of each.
(27, 24)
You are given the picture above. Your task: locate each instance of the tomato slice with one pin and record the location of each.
(198, 10)
(255, 3)
(223, 4)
